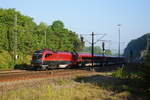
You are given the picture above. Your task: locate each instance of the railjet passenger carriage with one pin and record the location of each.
(47, 59)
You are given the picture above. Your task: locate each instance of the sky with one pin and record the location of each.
(87, 16)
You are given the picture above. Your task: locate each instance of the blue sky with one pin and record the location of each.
(86, 16)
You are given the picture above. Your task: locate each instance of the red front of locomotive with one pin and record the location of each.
(49, 59)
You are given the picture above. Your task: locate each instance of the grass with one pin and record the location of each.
(130, 80)
(50, 92)
(86, 87)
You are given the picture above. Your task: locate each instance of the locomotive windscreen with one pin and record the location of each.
(37, 55)
(38, 51)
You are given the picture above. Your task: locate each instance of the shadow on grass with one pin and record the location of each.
(116, 85)
(106, 68)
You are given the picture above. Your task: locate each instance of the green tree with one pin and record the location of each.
(57, 25)
(41, 31)
(108, 52)
(31, 37)
(62, 39)
(97, 50)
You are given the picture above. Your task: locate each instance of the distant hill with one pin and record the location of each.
(136, 48)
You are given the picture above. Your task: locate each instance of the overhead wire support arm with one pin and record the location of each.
(100, 37)
(88, 41)
(92, 43)
(103, 35)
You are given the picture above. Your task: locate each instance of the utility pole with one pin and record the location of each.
(92, 49)
(45, 40)
(119, 42)
(92, 44)
(119, 39)
(15, 39)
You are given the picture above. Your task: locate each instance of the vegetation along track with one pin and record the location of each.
(28, 75)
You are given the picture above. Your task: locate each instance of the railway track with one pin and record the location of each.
(17, 75)
(11, 71)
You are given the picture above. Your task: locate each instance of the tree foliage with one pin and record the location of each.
(30, 36)
(57, 25)
(97, 50)
(145, 72)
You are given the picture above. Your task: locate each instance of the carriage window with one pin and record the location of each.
(47, 55)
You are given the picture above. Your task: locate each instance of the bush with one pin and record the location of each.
(5, 60)
(145, 72)
(121, 73)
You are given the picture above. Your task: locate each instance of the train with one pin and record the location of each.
(48, 59)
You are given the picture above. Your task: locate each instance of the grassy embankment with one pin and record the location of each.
(100, 86)
(131, 77)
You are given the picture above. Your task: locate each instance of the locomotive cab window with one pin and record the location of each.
(47, 55)
(40, 56)
(37, 56)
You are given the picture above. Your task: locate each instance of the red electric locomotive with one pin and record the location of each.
(45, 59)
(48, 59)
